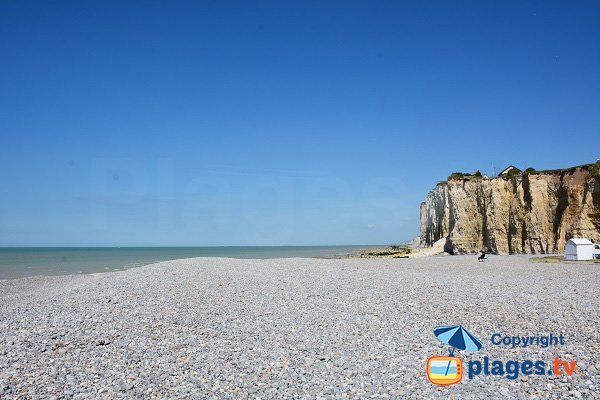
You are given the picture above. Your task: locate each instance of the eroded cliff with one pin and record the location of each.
(526, 213)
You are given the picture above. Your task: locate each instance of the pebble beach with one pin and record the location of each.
(295, 328)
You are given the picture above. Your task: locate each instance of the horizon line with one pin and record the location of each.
(184, 246)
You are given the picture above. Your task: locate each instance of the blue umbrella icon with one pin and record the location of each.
(457, 337)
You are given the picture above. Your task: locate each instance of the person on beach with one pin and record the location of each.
(482, 256)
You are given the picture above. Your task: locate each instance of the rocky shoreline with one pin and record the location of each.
(293, 328)
(392, 251)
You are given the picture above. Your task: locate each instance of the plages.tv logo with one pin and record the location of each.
(448, 370)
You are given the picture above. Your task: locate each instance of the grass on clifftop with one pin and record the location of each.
(593, 169)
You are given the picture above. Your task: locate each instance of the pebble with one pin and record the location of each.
(293, 328)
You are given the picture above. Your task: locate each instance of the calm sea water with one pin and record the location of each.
(17, 262)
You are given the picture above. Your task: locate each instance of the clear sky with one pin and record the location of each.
(277, 123)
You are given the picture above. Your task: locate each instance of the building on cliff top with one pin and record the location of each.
(510, 170)
(579, 249)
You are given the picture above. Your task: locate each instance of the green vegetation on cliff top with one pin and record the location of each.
(594, 170)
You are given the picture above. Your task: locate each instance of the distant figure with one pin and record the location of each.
(482, 256)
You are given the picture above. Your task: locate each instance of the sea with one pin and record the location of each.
(19, 262)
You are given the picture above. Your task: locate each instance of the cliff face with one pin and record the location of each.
(529, 213)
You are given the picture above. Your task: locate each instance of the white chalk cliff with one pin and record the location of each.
(533, 212)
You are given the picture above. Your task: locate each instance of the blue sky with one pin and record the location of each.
(277, 123)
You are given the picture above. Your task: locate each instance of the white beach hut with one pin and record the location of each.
(579, 249)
